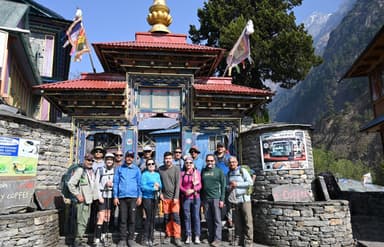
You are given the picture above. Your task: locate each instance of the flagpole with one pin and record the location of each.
(90, 51)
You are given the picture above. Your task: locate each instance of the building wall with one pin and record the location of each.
(55, 153)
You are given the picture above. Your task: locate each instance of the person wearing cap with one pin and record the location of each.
(127, 196)
(104, 178)
(147, 154)
(82, 185)
(222, 158)
(150, 187)
(190, 186)
(98, 153)
(170, 178)
(222, 162)
(197, 161)
(178, 158)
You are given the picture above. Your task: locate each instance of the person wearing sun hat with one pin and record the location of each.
(197, 161)
(104, 178)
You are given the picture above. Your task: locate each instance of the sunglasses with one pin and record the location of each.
(188, 162)
(118, 155)
(150, 164)
(210, 160)
(89, 160)
(98, 151)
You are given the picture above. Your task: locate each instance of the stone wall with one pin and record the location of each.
(268, 179)
(303, 224)
(35, 229)
(39, 228)
(54, 153)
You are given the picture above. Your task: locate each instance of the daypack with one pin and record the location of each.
(64, 182)
(250, 172)
(248, 169)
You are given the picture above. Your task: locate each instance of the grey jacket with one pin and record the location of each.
(82, 183)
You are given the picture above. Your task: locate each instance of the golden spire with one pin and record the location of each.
(159, 17)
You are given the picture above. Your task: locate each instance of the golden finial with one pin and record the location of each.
(159, 17)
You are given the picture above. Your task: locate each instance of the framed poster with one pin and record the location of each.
(283, 150)
(18, 157)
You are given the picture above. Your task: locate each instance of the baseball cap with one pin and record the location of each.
(220, 144)
(147, 148)
(130, 154)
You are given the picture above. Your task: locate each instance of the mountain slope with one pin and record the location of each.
(337, 110)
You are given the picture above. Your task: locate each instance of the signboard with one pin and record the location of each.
(291, 193)
(18, 157)
(283, 150)
(15, 195)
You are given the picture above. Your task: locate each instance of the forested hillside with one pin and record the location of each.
(338, 109)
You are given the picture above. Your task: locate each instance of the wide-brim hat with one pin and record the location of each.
(109, 156)
(194, 148)
(98, 148)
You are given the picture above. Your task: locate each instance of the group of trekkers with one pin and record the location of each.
(187, 188)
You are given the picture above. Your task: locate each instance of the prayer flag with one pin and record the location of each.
(241, 50)
(76, 37)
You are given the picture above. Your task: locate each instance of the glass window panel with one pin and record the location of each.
(145, 99)
(174, 99)
(160, 99)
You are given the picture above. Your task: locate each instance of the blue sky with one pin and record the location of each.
(120, 19)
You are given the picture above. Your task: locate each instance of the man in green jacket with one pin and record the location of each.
(213, 192)
(82, 185)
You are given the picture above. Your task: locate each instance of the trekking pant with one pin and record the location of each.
(150, 206)
(242, 217)
(127, 210)
(172, 218)
(83, 214)
(191, 208)
(213, 218)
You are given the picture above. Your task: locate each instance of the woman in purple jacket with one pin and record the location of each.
(190, 186)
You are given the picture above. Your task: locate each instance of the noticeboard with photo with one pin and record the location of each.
(283, 150)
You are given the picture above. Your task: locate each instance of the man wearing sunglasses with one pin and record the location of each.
(127, 196)
(178, 159)
(83, 186)
(118, 158)
(98, 162)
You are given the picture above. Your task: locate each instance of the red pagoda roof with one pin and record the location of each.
(223, 85)
(92, 82)
(158, 53)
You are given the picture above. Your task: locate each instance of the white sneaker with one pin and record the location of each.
(189, 240)
(197, 240)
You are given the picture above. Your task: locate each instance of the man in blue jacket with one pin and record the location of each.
(127, 195)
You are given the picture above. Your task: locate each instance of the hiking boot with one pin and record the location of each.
(178, 242)
(197, 240)
(215, 243)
